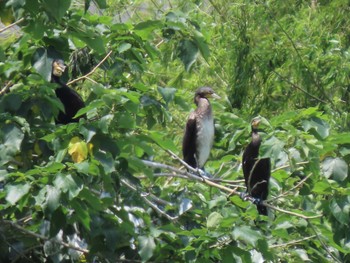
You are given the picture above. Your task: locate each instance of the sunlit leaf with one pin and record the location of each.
(16, 192)
(78, 149)
(146, 247)
(246, 234)
(186, 204)
(336, 168)
(214, 220)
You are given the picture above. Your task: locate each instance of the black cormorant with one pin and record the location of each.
(199, 133)
(256, 171)
(70, 99)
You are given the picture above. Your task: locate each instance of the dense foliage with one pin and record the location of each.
(110, 188)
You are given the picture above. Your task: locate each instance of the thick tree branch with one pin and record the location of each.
(221, 187)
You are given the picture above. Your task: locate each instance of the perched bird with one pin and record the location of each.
(256, 171)
(70, 99)
(199, 132)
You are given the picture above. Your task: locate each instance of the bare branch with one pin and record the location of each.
(288, 165)
(209, 182)
(92, 71)
(323, 244)
(289, 190)
(41, 237)
(13, 24)
(155, 207)
(6, 88)
(289, 212)
(294, 242)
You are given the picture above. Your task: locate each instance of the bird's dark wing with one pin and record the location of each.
(72, 103)
(259, 182)
(189, 141)
(247, 163)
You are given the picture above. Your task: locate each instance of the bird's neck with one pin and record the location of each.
(203, 105)
(256, 140)
(55, 79)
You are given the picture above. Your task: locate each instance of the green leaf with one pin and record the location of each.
(336, 168)
(124, 47)
(246, 234)
(106, 160)
(201, 43)
(81, 213)
(146, 247)
(42, 61)
(168, 94)
(272, 147)
(66, 183)
(186, 204)
(320, 126)
(16, 192)
(12, 137)
(159, 138)
(52, 199)
(57, 8)
(144, 29)
(188, 53)
(341, 210)
(214, 220)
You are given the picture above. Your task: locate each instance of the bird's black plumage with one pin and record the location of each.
(256, 171)
(199, 132)
(70, 99)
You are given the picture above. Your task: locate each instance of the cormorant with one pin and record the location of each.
(70, 99)
(199, 133)
(256, 171)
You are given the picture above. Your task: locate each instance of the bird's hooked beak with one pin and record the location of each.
(58, 68)
(215, 96)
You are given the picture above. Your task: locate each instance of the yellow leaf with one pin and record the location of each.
(78, 149)
(90, 147)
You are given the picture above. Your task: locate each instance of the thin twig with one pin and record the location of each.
(290, 212)
(13, 24)
(92, 71)
(163, 175)
(294, 242)
(155, 207)
(322, 243)
(5, 89)
(33, 234)
(297, 87)
(288, 165)
(289, 190)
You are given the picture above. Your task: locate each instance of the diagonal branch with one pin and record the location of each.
(92, 71)
(289, 190)
(155, 207)
(294, 242)
(41, 237)
(6, 88)
(13, 24)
